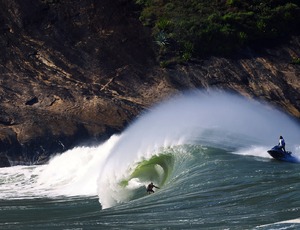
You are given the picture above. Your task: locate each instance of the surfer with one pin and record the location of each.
(281, 143)
(150, 187)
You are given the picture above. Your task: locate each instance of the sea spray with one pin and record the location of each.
(75, 172)
(214, 119)
(72, 173)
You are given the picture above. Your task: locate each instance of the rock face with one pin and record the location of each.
(74, 72)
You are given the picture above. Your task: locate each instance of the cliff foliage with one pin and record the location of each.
(197, 28)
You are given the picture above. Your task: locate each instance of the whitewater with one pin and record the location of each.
(207, 153)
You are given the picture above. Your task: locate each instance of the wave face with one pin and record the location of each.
(206, 151)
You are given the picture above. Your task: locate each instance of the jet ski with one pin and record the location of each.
(277, 153)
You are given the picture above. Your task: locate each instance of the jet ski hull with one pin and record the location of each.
(278, 154)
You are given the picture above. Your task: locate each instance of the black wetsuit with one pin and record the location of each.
(150, 188)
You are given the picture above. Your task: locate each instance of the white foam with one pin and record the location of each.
(292, 221)
(72, 173)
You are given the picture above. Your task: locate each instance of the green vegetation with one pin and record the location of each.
(296, 61)
(197, 28)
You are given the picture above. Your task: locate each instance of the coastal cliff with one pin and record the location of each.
(75, 72)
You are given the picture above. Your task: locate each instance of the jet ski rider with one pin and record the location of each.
(281, 143)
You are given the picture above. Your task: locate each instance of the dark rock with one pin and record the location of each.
(32, 101)
(75, 72)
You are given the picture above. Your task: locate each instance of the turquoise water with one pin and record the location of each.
(208, 155)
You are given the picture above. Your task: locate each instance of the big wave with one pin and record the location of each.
(216, 120)
(156, 147)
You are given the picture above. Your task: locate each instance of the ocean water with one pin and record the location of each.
(207, 152)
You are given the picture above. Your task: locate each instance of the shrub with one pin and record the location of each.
(203, 27)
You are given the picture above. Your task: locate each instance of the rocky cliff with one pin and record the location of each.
(75, 72)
